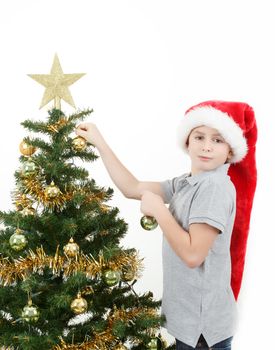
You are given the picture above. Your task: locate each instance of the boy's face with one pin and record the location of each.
(207, 142)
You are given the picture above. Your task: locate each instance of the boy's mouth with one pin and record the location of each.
(204, 158)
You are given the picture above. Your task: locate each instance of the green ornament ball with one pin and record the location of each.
(18, 241)
(30, 313)
(111, 277)
(148, 223)
(154, 344)
(29, 168)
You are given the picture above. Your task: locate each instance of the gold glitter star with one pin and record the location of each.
(56, 84)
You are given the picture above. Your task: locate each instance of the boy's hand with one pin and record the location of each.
(150, 203)
(90, 133)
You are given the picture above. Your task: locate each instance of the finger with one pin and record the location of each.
(80, 132)
(80, 127)
(83, 126)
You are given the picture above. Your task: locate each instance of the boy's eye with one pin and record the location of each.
(216, 140)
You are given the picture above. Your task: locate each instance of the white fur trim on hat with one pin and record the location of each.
(214, 118)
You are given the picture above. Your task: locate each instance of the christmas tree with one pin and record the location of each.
(65, 280)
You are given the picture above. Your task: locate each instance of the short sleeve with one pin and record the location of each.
(168, 188)
(212, 204)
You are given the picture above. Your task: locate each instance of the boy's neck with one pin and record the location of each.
(194, 172)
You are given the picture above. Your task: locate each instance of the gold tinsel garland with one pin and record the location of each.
(21, 201)
(21, 268)
(106, 340)
(35, 187)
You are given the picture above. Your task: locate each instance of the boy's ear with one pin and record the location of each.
(230, 155)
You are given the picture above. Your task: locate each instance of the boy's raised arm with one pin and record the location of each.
(126, 182)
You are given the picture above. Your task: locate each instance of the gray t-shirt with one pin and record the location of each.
(200, 300)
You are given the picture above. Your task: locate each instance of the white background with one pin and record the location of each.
(146, 63)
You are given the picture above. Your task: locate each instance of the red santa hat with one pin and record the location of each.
(236, 122)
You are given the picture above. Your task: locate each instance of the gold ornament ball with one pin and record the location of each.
(148, 223)
(25, 149)
(111, 277)
(30, 313)
(71, 249)
(79, 305)
(79, 143)
(29, 168)
(52, 191)
(18, 241)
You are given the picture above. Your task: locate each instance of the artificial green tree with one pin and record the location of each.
(65, 280)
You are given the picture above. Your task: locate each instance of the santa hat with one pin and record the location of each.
(236, 122)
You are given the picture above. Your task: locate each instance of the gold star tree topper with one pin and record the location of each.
(56, 84)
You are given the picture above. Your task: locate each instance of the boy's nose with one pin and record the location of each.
(207, 146)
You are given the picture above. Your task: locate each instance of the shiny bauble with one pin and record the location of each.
(154, 344)
(148, 223)
(79, 305)
(18, 241)
(71, 249)
(30, 313)
(79, 144)
(27, 211)
(29, 168)
(52, 191)
(128, 273)
(111, 277)
(25, 149)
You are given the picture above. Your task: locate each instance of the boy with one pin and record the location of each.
(200, 239)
